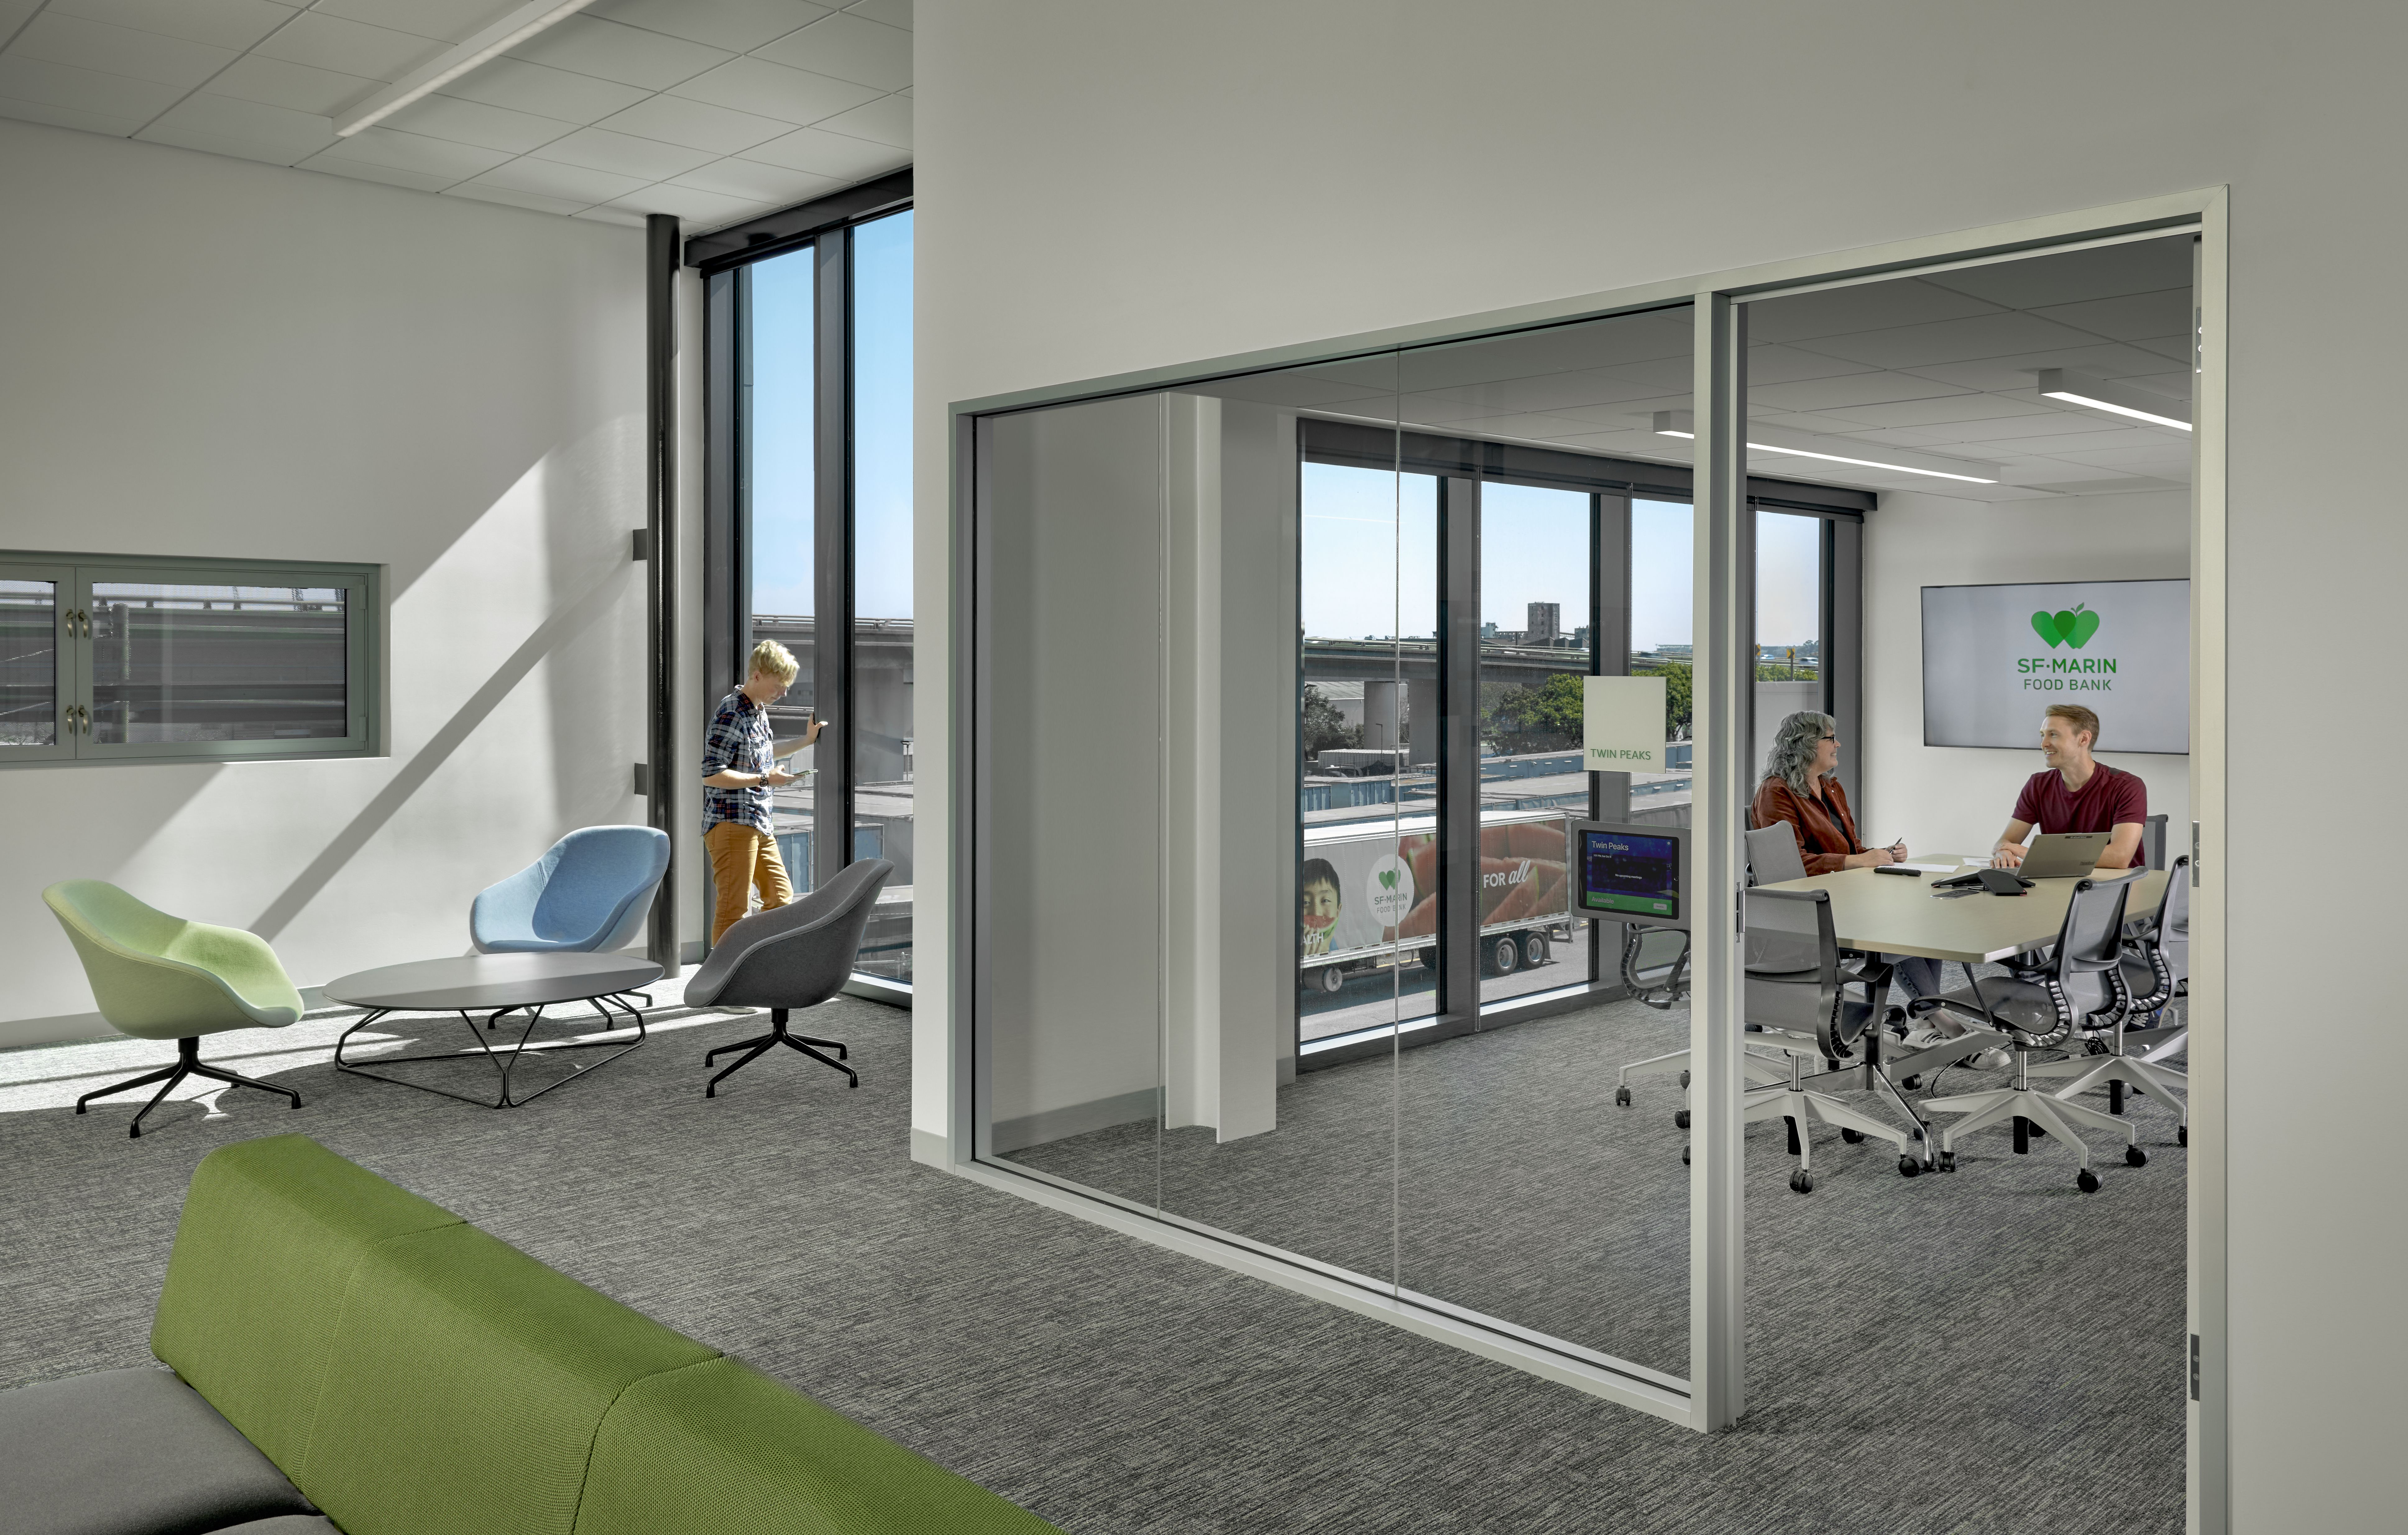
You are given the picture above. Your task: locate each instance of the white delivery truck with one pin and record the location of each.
(1369, 894)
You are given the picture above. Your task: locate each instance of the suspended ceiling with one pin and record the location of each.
(715, 111)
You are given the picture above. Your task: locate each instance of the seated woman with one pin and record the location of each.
(1801, 787)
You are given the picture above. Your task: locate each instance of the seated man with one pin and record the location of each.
(2076, 792)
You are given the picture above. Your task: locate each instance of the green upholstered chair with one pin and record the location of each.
(158, 977)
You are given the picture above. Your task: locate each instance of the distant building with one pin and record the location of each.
(1546, 623)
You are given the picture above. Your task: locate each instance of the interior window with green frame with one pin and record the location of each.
(122, 658)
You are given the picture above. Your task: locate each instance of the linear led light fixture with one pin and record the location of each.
(1680, 424)
(523, 22)
(2115, 400)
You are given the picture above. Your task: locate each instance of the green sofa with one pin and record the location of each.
(348, 1356)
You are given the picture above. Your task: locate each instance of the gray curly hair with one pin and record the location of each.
(1792, 757)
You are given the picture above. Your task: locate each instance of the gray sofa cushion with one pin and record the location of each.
(131, 1451)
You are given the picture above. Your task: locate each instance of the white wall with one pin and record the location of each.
(207, 356)
(1109, 184)
(1954, 799)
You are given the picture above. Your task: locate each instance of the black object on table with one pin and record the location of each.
(497, 985)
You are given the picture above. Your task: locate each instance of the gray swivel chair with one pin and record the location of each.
(1796, 996)
(1772, 854)
(2156, 971)
(796, 956)
(2041, 1008)
(1772, 857)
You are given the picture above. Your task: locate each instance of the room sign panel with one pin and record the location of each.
(1622, 724)
(1995, 657)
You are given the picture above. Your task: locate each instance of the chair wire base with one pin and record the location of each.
(760, 1045)
(504, 1060)
(188, 1064)
(2028, 1106)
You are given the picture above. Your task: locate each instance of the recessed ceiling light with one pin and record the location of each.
(503, 34)
(2115, 400)
(1678, 423)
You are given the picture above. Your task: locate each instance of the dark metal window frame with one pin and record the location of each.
(75, 573)
(725, 259)
(1462, 464)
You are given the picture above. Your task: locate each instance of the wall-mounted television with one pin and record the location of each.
(1995, 657)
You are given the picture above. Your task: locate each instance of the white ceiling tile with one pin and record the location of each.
(2132, 317)
(2000, 335)
(2139, 266)
(738, 25)
(883, 121)
(349, 47)
(571, 184)
(702, 208)
(248, 130)
(894, 13)
(599, 149)
(830, 154)
(1843, 311)
(543, 91)
(363, 170)
(762, 184)
(1854, 388)
(223, 23)
(383, 146)
(772, 90)
(606, 214)
(609, 51)
(484, 192)
(1778, 364)
(119, 50)
(476, 122)
(15, 13)
(452, 21)
(1947, 408)
(116, 124)
(300, 87)
(104, 95)
(696, 124)
(846, 47)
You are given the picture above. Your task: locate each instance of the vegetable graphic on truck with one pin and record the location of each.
(1368, 895)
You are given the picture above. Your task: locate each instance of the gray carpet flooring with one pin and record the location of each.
(1987, 1352)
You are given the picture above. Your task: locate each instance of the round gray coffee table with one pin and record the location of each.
(497, 985)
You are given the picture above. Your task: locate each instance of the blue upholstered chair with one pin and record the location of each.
(589, 894)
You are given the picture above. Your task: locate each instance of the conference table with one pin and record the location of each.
(1894, 914)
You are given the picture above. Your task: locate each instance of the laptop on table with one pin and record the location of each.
(2065, 855)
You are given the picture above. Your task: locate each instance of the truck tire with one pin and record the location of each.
(1504, 956)
(1329, 978)
(1534, 949)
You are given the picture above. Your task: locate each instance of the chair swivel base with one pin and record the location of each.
(2028, 1106)
(188, 1064)
(753, 1049)
(1800, 1107)
(2114, 1073)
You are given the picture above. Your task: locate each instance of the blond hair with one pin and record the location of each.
(2076, 716)
(774, 659)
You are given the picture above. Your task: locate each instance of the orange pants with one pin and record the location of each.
(742, 858)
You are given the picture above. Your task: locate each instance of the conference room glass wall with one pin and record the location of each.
(1165, 889)
(808, 537)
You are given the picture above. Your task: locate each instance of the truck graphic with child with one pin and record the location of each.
(1368, 894)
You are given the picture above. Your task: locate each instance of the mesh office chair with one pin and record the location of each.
(2156, 971)
(796, 955)
(2041, 1008)
(1796, 994)
(1772, 857)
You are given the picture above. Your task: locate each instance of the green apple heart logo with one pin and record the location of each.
(2073, 630)
(1388, 878)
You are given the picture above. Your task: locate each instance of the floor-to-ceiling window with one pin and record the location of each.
(809, 536)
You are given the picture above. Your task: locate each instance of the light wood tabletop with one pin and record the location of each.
(1886, 913)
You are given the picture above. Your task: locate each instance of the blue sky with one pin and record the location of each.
(1364, 527)
(781, 425)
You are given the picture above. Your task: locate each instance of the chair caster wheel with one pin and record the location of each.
(1681, 1118)
(1909, 1167)
(1684, 1077)
(1802, 1182)
(1622, 1097)
(1911, 1083)
(2135, 1157)
(1947, 1161)
(1852, 1137)
(134, 1132)
(1685, 1156)
(2087, 1182)
(2182, 1135)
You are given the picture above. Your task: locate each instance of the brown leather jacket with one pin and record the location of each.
(1824, 826)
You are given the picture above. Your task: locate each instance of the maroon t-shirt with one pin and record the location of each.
(2112, 797)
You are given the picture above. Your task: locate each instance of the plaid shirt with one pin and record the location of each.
(740, 739)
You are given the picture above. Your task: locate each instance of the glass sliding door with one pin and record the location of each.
(881, 581)
(1789, 625)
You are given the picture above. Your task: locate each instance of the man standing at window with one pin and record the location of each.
(2076, 792)
(740, 766)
